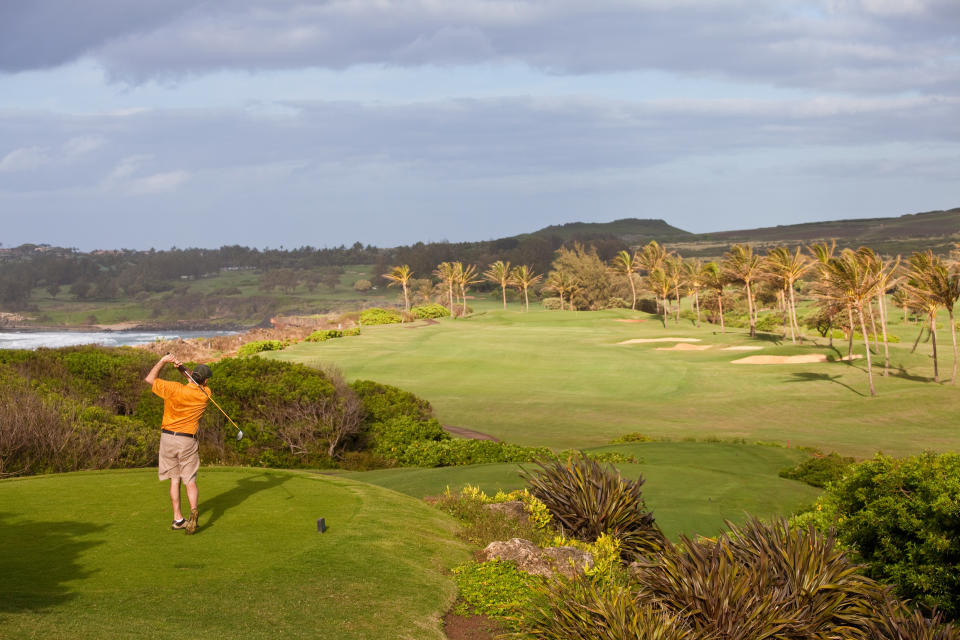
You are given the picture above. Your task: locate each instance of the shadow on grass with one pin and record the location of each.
(244, 488)
(809, 376)
(900, 372)
(39, 559)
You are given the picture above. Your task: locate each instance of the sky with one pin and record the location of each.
(286, 123)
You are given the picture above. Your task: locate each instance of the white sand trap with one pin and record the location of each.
(630, 320)
(643, 340)
(808, 359)
(683, 346)
(742, 348)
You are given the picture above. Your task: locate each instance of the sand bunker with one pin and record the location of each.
(685, 347)
(742, 348)
(630, 319)
(807, 359)
(643, 340)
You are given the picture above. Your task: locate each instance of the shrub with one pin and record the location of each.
(362, 286)
(588, 500)
(376, 315)
(554, 304)
(432, 310)
(393, 437)
(258, 346)
(760, 581)
(901, 518)
(382, 402)
(496, 589)
(818, 471)
(454, 452)
(634, 436)
(481, 526)
(330, 334)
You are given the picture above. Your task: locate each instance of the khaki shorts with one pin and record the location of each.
(179, 458)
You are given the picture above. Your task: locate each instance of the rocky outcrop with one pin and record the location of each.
(513, 508)
(530, 558)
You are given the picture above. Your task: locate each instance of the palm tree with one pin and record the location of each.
(673, 266)
(649, 259)
(401, 275)
(849, 278)
(885, 272)
(821, 253)
(742, 265)
(715, 278)
(659, 284)
(788, 268)
(447, 272)
(499, 273)
(624, 264)
(560, 282)
(523, 277)
(694, 277)
(466, 276)
(933, 284)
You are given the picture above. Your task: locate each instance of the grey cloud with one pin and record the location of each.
(857, 45)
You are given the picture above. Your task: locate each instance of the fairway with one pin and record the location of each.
(691, 487)
(91, 555)
(562, 379)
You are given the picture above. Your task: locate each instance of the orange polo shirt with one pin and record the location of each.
(183, 404)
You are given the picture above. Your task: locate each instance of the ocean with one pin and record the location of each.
(53, 339)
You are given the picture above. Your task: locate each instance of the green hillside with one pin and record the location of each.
(630, 229)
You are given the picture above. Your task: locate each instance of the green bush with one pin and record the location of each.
(376, 315)
(634, 436)
(381, 402)
(588, 499)
(496, 589)
(432, 310)
(554, 304)
(258, 346)
(818, 471)
(457, 451)
(329, 334)
(901, 517)
(393, 437)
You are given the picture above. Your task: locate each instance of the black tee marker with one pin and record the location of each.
(321, 525)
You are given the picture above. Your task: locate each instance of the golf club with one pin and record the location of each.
(187, 373)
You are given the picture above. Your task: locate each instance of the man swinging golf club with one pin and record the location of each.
(183, 404)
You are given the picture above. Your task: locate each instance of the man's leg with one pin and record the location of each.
(175, 498)
(193, 495)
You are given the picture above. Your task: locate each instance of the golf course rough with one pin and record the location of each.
(91, 555)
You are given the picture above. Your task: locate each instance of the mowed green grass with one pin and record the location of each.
(691, 487)
(91, 555)
(561, 379)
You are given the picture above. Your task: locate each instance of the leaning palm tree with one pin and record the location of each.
(625, 264)
(886, 272)
(716, 279)
(649, 259)
(850, 279)
(742, 265)
(673, 266)
(523, 277)
(821, 253)
(788, 268)
(562, 283)
(658, 282)
(499, 273)
(931, 283)
(401, 275)
(447, 272)
(694, 278)
(466, 276)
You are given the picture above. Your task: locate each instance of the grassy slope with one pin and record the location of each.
(560, 379)
(90, 555)
(692, 487)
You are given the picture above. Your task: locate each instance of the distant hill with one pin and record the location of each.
(936, 230)
(633, 230)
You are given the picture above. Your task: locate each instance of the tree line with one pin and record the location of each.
(849, 288)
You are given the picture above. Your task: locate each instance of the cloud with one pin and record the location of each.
(23, 159)
(836, 45)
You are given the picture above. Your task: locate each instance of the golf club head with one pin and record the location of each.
(239, 435)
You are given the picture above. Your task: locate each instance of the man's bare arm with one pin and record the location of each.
(152, 376)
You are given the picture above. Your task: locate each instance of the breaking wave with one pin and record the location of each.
(54, 339)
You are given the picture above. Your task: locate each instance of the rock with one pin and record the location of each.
(514, 509)
(531, 559)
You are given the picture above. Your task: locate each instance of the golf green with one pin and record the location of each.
(91, 555)
(691, 487)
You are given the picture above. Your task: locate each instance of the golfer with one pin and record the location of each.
(183, 404)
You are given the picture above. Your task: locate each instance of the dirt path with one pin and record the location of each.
(469, 433)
